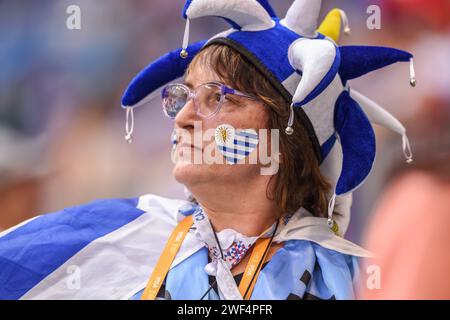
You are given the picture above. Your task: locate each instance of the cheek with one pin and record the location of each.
(248, 117)
(253, 116)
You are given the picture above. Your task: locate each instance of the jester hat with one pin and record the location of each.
(307, 67)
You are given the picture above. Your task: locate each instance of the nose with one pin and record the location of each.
(186, 116)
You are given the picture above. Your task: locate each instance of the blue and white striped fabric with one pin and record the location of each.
(239, 147)
(113, 243)
(114, 246)
(32, 252)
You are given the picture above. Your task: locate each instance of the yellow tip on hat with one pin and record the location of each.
(331, 25)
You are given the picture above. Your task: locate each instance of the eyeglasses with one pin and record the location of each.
(208, 98)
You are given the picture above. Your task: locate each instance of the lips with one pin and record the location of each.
(189, 145)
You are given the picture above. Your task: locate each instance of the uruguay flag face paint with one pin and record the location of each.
(235, 145)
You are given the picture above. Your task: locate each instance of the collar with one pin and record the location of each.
(301, 225)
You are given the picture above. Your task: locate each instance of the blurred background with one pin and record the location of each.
(62, 128)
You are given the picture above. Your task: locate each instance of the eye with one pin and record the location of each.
(231, 99)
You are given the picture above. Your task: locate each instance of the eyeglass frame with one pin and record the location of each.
(193, 92)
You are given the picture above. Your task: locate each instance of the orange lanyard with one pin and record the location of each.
(165, 260)
(253, 267)
(162, 267)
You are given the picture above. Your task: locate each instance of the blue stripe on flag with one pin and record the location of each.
(244, 143)
(235, 151)
(232, 160)
(31, 252)
(246, 134)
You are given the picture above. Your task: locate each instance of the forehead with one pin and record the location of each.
(200, 72)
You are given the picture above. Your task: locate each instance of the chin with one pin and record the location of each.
(187, 173)
(193, 175)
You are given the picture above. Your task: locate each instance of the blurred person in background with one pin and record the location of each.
(23, 171)
(408, 230)
(406, 24)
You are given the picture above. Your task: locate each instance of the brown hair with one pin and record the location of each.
(299, 182)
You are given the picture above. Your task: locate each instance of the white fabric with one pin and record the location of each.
(331, 169)
(118, 263)
(223, 34)
(304, 226)
(342, 206)
(380, 116)
(377, 114)
(302, 17)
(320, 110)
(248, 14)
(221, 267)
(291, 82)
(314, 58)
(218, 267)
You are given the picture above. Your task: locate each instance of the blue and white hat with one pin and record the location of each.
(307, 67)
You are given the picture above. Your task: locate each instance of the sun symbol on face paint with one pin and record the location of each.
(224, 134)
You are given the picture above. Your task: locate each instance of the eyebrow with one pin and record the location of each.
(188, 83)
(191, 85)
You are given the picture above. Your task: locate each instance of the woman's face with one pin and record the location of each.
(239, 112)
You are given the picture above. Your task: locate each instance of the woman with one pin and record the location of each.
(238, 200)
(243, 233)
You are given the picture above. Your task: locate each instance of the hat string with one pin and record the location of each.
(345, 22)
(129, 124)
(412, 73)
(331, 223)
(289, 130)
(407, 149)
(184, 54)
